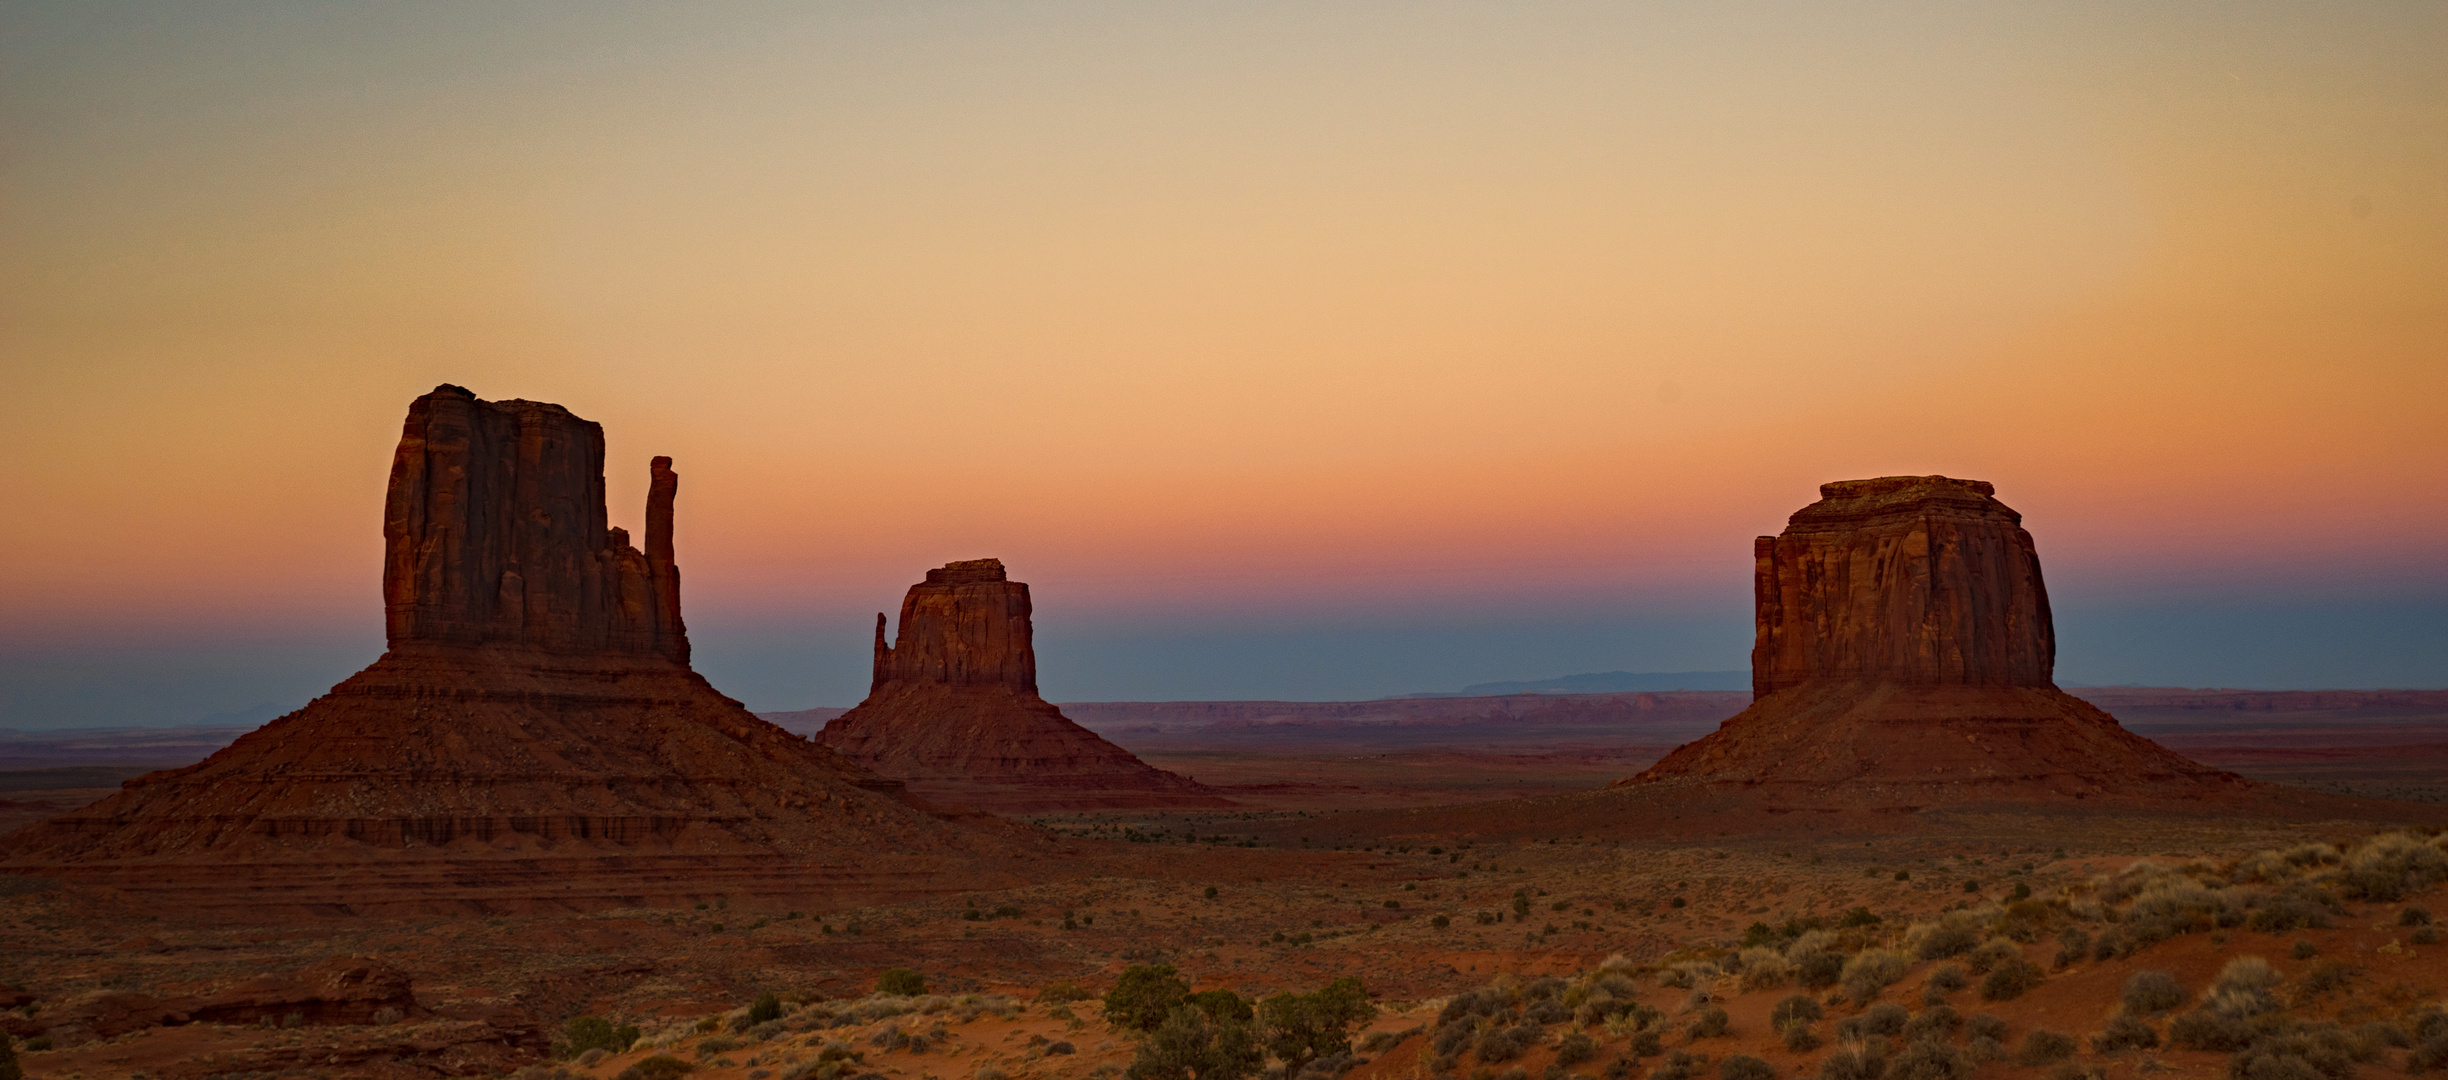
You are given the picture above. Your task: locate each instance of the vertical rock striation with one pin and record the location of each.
(495, 531)
(533, 735)
(954, 710)
(1904, 658)
(1915, 580)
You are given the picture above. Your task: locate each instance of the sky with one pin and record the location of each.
(1287, 350)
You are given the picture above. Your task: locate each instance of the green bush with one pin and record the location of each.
(768, 1007)
(1189, 1044)
(596, 1033)
(1145, 996)
(658, 1067)
(1301, 1028)
(901, 982)
(1221, 1005)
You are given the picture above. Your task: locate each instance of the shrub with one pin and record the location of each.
(1062, 993)
(2303, 949)
(2424, 935)
(1985, 1026)
(1191, 1043)
(1936, 1022)
(2431, 1053)
(1679, 1066)
(2124, 1033)
(2073, 944)
(2148, 992)
(1765, 969)
(1929, 1060)
(1301, 1028)
(2243, 988)
(1993, 952)
(2385, 867)
(1743, 1067)
(1871, 971)
(2041, 1046)
(1505, 1044)
(2326, 975)
(1575, 1049)
(1712, 1023)
(658, 1067)
(1441, 922)
(2203, 1029)
(1953, 934)
(1948, 978)
(901, 982)
(1145, 996)
(2304, 1052)
(586, 1033)
(2009, 980)
(1649, 1042)
(2295, 908)
(1817, 970)
(1795, 1009)
(1854, 1061)
(1799, 1038)
(2108, 946)
(768, 1007)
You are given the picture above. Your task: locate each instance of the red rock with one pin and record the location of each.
(1904, 659)
(954, 710)
(533, 736)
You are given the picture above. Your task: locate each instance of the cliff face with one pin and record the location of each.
(533, 737)
(1903, 660)
(966, 625)
(1921, 581)
(494, 531)
(954, 710)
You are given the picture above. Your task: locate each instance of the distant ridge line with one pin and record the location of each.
(1605, 682)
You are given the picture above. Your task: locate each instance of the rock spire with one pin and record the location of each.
(954, 711)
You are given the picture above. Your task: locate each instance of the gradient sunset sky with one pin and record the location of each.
(1287, 350)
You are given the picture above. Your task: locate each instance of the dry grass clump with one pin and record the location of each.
(1871, 971)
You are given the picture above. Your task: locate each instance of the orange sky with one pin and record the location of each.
(1267, 308)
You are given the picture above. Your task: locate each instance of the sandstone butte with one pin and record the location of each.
(1904, 659)
(954, 711)
(533, 736)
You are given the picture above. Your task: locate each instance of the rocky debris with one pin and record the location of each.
(336, 991)
(954, 710)
(1903, 660)
(534, 734)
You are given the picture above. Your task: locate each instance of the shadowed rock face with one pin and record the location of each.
(954, 710)
(1904, 659)
(533, 736)
(494, 531)
(1918, 581)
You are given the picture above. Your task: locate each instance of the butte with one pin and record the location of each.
(1904, 659)
(954, 711)
(533, 738)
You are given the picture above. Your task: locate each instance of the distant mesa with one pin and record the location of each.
(1903, 658)
(1608, 682)
(533, 736)
(954, 711)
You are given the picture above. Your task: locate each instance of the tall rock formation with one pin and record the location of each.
(532, 737)
(954, 710)
(1904, 658)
